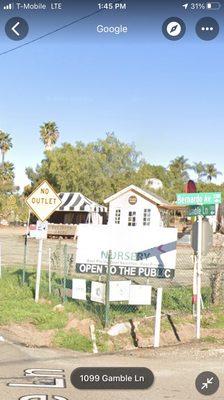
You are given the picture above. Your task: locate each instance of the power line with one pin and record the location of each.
(51, 32)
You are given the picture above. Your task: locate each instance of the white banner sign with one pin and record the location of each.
(119, 290)
(79, 289)
(98, 290)
(140, 295)
(135, 252)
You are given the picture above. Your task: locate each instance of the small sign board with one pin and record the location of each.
(119, 290)
(192, 199)
(140, 295)
(41, 230)
(43, 201)
(79, 289)
(98, 292)
(205, 210)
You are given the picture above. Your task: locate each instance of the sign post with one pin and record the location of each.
(199, 268)
(49, 270)
(199, 204)
(39, 262)
(194, 297)
(107, 303)
(43, 201)
(158, 317)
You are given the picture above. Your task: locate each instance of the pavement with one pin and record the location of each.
(175, 370)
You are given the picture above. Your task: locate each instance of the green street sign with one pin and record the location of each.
(205, 210)
(196, 199)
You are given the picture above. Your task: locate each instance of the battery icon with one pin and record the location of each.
(214, 5)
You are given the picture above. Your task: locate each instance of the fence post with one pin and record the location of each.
(194, 296)
(107, 302)
(199, 268)
(93, 338)
(39, 265)
(158, 317)
(25, 258)
(25, 249)
(49, 270)
(65, 270)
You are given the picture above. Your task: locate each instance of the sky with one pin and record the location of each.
(164, 96)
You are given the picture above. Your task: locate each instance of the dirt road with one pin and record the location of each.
(175, 370)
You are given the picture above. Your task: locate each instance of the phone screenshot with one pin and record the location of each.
(111, 200)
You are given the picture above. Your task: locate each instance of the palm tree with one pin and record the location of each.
(211, 171)
(49, 134)
(5, 144)
(179, 166)
(7, 176)
(199, 169)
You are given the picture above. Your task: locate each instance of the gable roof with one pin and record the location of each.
(154, 198)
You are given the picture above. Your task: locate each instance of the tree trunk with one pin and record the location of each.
(48, 145)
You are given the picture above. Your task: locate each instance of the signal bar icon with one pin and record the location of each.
(9, 7)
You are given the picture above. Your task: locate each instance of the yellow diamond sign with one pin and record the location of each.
(43, 201)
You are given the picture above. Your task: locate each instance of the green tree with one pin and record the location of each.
(97, 169)
(211, 171)
(180, 166)
(199, 168)
(8, 193)
(148, 171)
(49, 134)
(5, 144)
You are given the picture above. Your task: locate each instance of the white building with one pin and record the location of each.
(133, 206)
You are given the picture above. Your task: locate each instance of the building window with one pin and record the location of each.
(118, 216)
(132, 218)
(146, 216)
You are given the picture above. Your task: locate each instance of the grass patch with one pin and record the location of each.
(17, 303)
(214, 319)
(102, 341)
(40, 315)
(210, 339)
(72, 340)
(18, 306)
(180, 298)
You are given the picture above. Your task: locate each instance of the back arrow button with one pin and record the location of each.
(16, 28)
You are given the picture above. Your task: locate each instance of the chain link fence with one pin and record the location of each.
(177, 292)
(59, 269)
